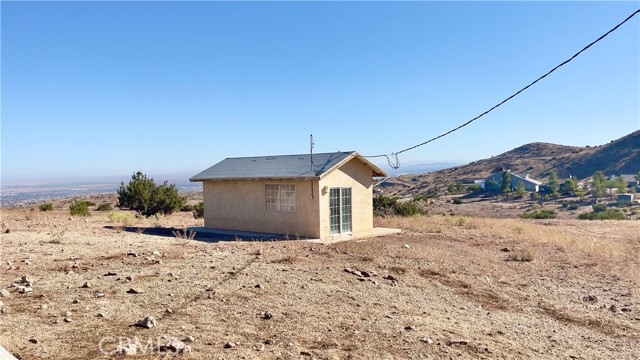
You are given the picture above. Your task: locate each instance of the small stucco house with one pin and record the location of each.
(624, 197)
(320, 196)
(631, 180)
(529, 183)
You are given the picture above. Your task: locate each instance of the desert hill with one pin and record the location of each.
(537, 160)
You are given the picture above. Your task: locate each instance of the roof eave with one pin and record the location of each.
(376, 170)
(267, 178)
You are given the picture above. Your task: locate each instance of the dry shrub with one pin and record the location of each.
(57, 236)
(120, 217)
(292, 254)
(31, 214)
(184, 234)
(399, 270)
(525, 255)
(288, 259)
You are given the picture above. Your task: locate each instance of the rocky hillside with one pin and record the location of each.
(536, 159)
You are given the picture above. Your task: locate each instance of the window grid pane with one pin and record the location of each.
(346, 209)
(280, 197)
(334, 207)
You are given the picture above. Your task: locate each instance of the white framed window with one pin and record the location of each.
(280, 197)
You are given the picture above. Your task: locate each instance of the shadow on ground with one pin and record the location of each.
(202, 236)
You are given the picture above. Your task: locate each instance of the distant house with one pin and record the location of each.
(624, 197)
(529, 183)
(630, 179)
(325, 196)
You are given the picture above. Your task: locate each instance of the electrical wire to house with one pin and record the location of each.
(393, 159)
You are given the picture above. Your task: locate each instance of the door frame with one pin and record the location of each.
(340, 208)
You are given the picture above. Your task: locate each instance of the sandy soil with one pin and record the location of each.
(447, 287)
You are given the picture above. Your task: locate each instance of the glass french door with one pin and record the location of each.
(340, 210)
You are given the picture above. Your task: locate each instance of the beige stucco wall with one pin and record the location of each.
(359, 178)
(241, 205)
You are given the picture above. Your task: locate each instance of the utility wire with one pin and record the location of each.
(392, 158)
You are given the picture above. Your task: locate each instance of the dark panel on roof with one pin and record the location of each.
(281, 166)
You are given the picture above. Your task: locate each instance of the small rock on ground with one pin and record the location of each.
(175, 346)
(267, 315)
(148, 322)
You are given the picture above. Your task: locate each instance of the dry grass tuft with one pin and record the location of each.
(288, 259)
(524, 255)
(57, 237)
(184, 234)
(398, 270)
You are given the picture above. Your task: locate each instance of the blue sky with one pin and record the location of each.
(108, 88)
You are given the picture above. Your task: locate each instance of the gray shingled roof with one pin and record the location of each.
(527, 178)
(276, 167)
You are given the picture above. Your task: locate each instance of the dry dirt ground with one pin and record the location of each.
(447, 287)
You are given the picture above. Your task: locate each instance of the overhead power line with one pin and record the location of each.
(392, 158)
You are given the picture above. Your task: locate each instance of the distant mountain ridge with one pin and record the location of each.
(421, 168)
(621, 156)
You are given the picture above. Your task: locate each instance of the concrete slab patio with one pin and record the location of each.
(375, 232)
(222, 234)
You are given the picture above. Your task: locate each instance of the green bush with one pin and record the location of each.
(539, 214)
(423, 197)
(117, 217)
(105, 207)
(455, 188)
(609, 214)
(491, 185)
(409, 208)
(473, 188)
(599, 208)
(569, 205)
(457, 201)
(624, 203)
(89, 203)
(198, 210)
(46, 206)
(383, 206)
(79, 208)
(381, 202)
(187, 208)
(144, 196)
